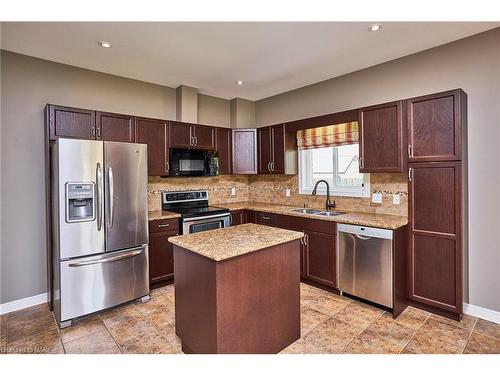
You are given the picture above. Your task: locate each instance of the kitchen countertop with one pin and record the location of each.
(355, 218)
(159, 214)
(225, 243)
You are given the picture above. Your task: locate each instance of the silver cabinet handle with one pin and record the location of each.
(269, 166)
(99, 196)
(265, 217)
(306, 239)
(409, 151)
(163, 225)
(93, 132)
(192, 141)
(409, 174)
(111, 196)
(98, 132)
(196, 141)
(166, 167)
(272, 166)
(361, 162)
(107, 259)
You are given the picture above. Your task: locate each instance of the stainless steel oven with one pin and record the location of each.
(200, 224)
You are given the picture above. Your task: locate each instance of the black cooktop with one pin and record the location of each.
(187, 212)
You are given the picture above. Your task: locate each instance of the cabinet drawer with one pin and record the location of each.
(163, 225)
(301, 224)
(265, 218)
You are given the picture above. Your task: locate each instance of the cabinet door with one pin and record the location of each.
(435, 235)
(161, 257)
(264, 150)
(381, 138)
(278, 149)
(154, 133)
(223, 147)
(320, 258)
(115, 127)
(204, 137)
(181, 135)
(71, 123)
(244, 151)
(237, 217)
(434, 125)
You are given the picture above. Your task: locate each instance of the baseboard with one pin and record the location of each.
(481, 312)
(23, 303)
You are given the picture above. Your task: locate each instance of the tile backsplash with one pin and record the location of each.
(271, 189)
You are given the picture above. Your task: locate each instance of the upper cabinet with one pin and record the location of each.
(435, 125)
(154, 133)
(277, 150)
(184, 135)
(115, 127)
(70, 122)
(244, 150)
(223, 142)
(381, 138)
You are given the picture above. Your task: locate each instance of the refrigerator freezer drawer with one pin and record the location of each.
(98, 282)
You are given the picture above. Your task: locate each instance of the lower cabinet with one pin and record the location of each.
(161, 254)
(238, 217)
(319, 254)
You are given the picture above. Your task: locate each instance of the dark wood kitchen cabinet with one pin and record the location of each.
(238, 217)
(381, 138)
(115, 127)
(161, 254)
(320, 258)
(436, 125)
(435, 235)
(223, 143)
(70, 122)
(244, 151)
(154, 133)
(185, 135)
(277, 150)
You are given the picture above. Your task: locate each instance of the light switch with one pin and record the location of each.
(396, 199)
(287, 192)
(377, 197)
(233, 191)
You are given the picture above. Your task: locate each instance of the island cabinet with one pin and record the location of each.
(186, 135)
(237, 290)
(155, 134)
(277, 150)
(223, 144)
(381, 137)
(161, 254)
(244, 151)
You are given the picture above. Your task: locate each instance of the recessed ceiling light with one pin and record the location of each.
(375, 27)
(105, 44)
(240, 83)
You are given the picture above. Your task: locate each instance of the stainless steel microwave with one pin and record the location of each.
(189, 162)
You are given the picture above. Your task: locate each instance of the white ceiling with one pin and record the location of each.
(271, 57)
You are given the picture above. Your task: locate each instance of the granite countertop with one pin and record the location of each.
(356, 218)
(159, 214)
(222, 244)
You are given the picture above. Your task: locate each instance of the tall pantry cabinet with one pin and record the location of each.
(437, 209)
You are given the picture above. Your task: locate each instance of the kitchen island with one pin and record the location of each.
(237, 289)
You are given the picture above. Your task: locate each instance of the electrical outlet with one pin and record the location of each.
(233, 191)
(396, 199)
(377, 197)
(287, 192)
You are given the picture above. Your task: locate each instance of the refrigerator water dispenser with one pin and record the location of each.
(80, 202)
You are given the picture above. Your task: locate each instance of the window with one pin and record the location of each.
(339, 165)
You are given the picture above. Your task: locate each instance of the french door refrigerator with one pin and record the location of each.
(99, 226)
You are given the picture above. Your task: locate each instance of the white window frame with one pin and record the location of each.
(305, 176)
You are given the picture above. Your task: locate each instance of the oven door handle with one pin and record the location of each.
(205, 217)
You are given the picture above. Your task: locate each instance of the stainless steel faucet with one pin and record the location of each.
(328, 205)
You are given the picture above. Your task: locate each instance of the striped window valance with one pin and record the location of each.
(327, 136)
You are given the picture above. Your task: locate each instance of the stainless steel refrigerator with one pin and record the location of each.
(99, 226)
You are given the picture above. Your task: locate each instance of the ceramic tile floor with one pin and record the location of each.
(329, 324)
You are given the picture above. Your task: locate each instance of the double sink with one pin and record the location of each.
(317, 212)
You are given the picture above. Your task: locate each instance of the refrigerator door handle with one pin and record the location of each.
(99, 196)
(111, 196)
(107, 259)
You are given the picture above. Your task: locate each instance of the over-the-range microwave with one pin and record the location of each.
(191, 162)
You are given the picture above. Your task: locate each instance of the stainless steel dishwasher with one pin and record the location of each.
(364, 263)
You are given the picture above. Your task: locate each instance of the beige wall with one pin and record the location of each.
(472, 64)
(27, 84)
(242, 113)
(213, 111)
